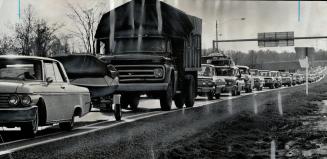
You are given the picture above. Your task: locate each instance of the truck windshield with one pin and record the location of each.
(205, 71)
(20, 70)
(151, 46)
(221, 62)
(224, 72)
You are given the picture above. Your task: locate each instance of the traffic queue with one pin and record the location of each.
(219, 74)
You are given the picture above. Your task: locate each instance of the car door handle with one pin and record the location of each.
(63, 87)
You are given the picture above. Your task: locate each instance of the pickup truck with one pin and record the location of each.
(36, 92)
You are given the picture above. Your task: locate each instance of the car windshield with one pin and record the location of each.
(254, 72)
(28, 70)
(224, 72)
(273, 74)
(205, 71)
(149, 46)
(265, 74)
(285, 75)
(243, 71)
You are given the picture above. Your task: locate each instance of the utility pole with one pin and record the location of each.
(216, 36)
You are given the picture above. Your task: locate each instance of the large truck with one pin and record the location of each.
(156, 49)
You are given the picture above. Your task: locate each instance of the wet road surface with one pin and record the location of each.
(140, 134)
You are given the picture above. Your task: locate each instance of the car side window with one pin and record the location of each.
(57, 73)
(49, 71)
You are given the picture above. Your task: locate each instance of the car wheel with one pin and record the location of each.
(189, 91)
(217, 95)
(67, 126)
(210, 96)
(30, 129)
(117, 112)
(166, 98)
(179, 100)
(234, 92)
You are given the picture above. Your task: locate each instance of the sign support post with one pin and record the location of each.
(307, 75)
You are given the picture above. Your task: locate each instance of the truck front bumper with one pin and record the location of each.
(142, 87)
(17, 115)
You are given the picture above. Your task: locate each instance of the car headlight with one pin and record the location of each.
(26, 100)
(13, 100)
(158, 72)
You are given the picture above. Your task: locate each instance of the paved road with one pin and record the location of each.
(138, 135)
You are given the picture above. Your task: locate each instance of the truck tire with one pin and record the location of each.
(189, 92)
(134, 101)
(179, 100)
(166, 98)
(30, 129)
(117, 112)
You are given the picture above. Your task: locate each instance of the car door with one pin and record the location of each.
(53, 94)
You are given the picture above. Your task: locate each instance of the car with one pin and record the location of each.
(247, 77)
(286, 79)
(36, 91)
(258, 80)
(206, 84)
(229, 80)
(270, 81)
(278, 78)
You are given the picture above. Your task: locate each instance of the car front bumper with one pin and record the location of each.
(17, 115)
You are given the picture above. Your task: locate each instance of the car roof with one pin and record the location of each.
(246, 67)
(25, 57)
(233, 67)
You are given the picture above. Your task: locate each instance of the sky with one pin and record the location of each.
(260, 16)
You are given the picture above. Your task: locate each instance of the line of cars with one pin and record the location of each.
(221, 75)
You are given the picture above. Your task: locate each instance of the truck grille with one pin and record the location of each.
(139, 73)
(4, 100)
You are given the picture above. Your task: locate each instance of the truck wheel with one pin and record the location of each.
(217, 95)
(134, 102)
(67, 126)
(166, 98)
(179, 100)
(30, 129)
(117, 112)
(210, 96)
(189, 92)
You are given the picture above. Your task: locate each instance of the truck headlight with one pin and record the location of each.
(158, 72)
(13, 100)
(26, 100)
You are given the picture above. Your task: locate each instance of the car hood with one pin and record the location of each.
(16, 87)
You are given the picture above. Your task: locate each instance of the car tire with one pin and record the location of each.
(166, 98)
(189, 92)
(117, 112)
(67, 126)
(234, 92)
(217, 95)
(210, 95)
(30, 129)
(179, 100)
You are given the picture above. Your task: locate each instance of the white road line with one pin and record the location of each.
(127, 120)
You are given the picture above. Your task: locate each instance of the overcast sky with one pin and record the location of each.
(261, 16)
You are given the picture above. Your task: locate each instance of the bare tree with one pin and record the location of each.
(7, 45)
(44, 36)
(24, 31)
(85, 21)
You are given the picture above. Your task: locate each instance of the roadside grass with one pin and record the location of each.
(248, 135)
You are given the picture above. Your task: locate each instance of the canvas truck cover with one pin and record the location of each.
(175, 23)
